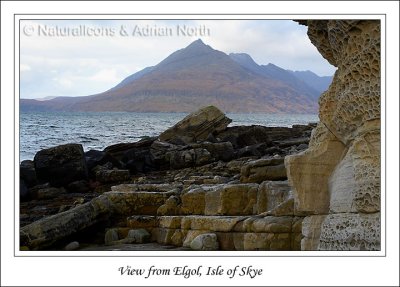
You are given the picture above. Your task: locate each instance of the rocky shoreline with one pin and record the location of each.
(200, 185)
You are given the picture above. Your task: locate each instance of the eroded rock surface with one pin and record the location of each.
(339, 175)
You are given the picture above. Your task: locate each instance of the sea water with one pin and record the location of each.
(97, 130)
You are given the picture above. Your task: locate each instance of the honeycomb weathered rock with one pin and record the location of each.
(349, 183)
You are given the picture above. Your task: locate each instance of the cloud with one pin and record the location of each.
(24, 68)
(74, 64)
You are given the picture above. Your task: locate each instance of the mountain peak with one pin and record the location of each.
(198, 42)
(198, 45)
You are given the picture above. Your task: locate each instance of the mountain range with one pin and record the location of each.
(197, 76)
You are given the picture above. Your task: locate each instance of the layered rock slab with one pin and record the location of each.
(196, 126)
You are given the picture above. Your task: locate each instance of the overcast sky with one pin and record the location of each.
(79, 58)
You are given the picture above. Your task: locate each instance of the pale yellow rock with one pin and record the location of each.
(211, 223)
(311, 230)
(263, 169)
(271, 224)
(309, 172)
(178, 237)
(350, 231)
(173, 222)
(136, 202)
(192, 234)
(349, 187)
(193, 201)
(266, 241)
(231, 199)
(170, 207)
(162, 235)
(257, 241)
(271, 194)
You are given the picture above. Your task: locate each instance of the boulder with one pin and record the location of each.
(111, 236)
(72, 246)
(189, 157)
(48, 230)
(205, 242)
(263, 169)
(196, 126)
(28, 173)
(95, 157)
(139, 235)
(133, 156)
(219, 151)
(61, 165)
(160, 153)
(79, 186)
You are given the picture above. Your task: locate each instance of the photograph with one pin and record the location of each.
(200, 135)
(200, 143)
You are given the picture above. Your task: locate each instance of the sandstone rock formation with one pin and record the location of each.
(337, 180)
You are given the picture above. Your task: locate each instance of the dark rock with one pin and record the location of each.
(113, 175)
(133, 156)
(242, 136)
(61, 165)
(189, 158)
(197, 126)
(160, 153)
(49, 192)
(79, 186)
(96, 157)
(257, 150)
(24, 193)
(28, 173)
(220, 151)
(292, 142)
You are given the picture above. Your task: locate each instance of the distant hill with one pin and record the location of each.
(197, 76)
(321, 84)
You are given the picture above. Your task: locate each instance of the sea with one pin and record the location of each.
(97, 130)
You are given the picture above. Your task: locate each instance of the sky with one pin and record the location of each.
(86, 57)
